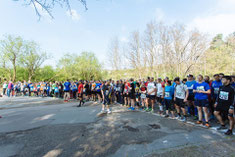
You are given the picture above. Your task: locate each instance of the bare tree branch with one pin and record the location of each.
(48, 5)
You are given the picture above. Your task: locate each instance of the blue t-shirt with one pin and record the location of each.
(29, 85)
(190, 85)
(67, 86)
(75, 88)
(56, 90)
(97, 87)
(201, 87)
(169, 91)
(173, 85)
(215, 88)
(233, 84)
(48, 88)
(15, 87)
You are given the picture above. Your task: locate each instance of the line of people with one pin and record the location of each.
(203, 98)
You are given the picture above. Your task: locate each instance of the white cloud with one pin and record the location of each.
(214, 24)
(225, 5)
(73, 14)
(219, 19)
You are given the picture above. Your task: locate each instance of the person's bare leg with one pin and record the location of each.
(173, 114)
(205, 109)
(231, 119)
(147, 103)
(152, 102)
(231, 123)
(178, 109)
(183, 110)
(199, 113)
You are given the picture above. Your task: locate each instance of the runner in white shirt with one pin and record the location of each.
(160, 87)
(151, 95)
(180, 98)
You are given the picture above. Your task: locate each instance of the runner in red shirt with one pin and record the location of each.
(80, 93)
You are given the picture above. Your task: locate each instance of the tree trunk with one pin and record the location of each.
(14, 73)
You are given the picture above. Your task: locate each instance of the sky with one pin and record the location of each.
(93, 29)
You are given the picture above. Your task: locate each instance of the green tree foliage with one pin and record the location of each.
(46, 73)
(220, 57)
(85, 66)
(20, 59)
(32, 58)
(11, 50)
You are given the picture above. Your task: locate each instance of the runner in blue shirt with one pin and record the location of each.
(56, 91)
(67, 85)
(192, 110)
(216, 84)
(168, 92)
(29, 88)
(233, 81)
(74, 90)
(98, 90)
(201, 89)
(48, 89)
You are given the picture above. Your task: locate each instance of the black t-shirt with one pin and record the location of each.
(132, 88)
(226, 96)
(87, 87)
(106, 90)
(123, 86)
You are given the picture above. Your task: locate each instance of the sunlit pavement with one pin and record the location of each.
(48, 127)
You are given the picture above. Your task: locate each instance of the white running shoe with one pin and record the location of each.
(178, 117)
(102, 111)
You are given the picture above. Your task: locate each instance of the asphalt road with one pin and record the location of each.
(46, 127)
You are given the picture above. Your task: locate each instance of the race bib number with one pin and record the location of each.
(167, 94)
(143, 96)
(223, 95)
(190, 87)
(118, 89)
(179, 94)
(216, 90)
(200, 88)
(107, 92)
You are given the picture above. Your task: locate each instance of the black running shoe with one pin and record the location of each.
(229, 132)
(222, 127)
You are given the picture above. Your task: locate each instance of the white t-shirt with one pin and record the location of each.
(5, 85)
(159, 90)
(151, 87)
(180, 91)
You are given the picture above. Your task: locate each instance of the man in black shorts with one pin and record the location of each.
(225, 104)
(180, 97)
(192, 110)
(132, 95)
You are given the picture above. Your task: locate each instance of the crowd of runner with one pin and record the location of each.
(200, 97)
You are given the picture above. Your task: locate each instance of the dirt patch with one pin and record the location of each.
(129, 128)
(222, 148)
(155, 126)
